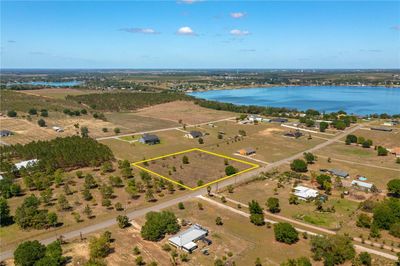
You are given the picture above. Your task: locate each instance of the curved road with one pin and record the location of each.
(5, 254)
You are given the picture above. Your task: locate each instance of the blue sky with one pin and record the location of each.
(200, 34)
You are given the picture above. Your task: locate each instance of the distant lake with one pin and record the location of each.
(49, 84)
(355, 100)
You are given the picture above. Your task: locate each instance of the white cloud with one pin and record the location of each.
(238, 14)
(141, 30)
(237, 32)
(185, 31)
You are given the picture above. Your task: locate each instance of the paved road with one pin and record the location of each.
(137, 213)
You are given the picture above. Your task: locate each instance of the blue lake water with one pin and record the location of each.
(353, 100)
(50, 84)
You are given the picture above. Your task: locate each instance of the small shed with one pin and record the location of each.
(5, 133)
(246, 151)
(362, 185)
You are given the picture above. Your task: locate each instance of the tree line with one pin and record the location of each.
(127, 101)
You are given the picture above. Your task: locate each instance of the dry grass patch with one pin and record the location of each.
(188, 112)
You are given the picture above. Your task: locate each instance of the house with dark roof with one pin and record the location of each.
(193, 134)
(293, 134)
(385, 129)
(149, 139)
(279, 120)
(5, 133)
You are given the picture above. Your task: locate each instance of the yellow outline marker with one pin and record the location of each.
(254, 166)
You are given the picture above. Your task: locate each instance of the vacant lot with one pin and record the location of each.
(57, 93)
(137, 123)
(385, 139)
(24, 131)
(200, 169)
(12, 234)
(188, 112)
(358, 154)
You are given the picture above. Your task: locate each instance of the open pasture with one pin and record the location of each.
(57, 93)
(353, 153)
(186, 111)
(138, 123)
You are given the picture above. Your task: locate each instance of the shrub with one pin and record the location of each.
(382, 151)
(299, 165)
(286, 233)
(273, 205)
(363, 220)
(230, 170)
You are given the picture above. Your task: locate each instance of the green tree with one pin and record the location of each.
(117, 130)
(323, 126)
(123, 221)
(86, 194)
(365, 259)
(5, 217)
(218, 221)
(44, 113)
(256, 213)
(299, 165)
(28, 253)
(185, 160)
(302, 261)
(332, 250)
(273, 205)
(41, 122)
(158, 224)
(46, 196)
(230, 170)
(63, 203)
(32, 111)
(293, 199)
(107, 167)
(84, 132)
(351, 139)
(286, 233)
(12, 113)
(382, 151)
(393, 186)
(181, 206)
(201, 141)
(309, 157)
(88, 211)
(363, 220)
(99, 247)
(395, 229)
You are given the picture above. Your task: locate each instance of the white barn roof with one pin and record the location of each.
(25, 164)
(361, 184)
(305, 192)
(185, 239)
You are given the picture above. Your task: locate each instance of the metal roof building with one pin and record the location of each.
(186, 240)
(305, 193)
(25, 164)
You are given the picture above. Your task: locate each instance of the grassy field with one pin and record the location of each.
(22, 102)
(201, 169)
(137, 123)
(358, 154)
(188, 112)
(385, 139)
(57, 93)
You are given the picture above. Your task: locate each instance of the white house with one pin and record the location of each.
(305, 193)
(25, 164)
(362, 185)
(186, 240)
(193, 134)
(255, 118)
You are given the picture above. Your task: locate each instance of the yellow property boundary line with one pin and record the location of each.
(253, 166)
